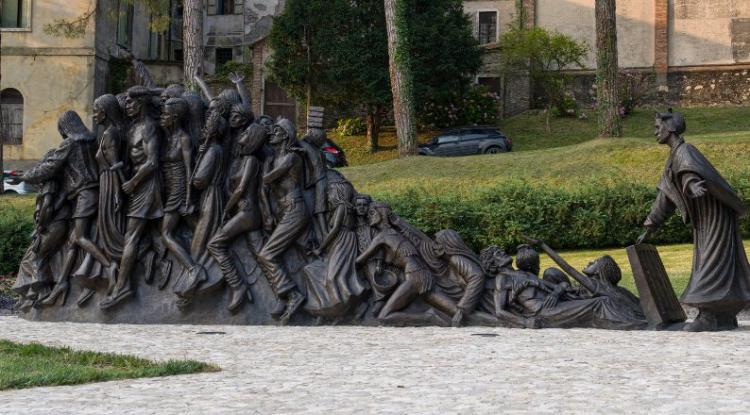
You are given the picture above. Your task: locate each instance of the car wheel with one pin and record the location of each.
(493, 150)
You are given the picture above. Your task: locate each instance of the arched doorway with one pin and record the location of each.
(11, 116)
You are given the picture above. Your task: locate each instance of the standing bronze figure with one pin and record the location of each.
(242, 214)
(719, 285)
(143, 189)
(283, 176)
(75, 161)
(177, 167)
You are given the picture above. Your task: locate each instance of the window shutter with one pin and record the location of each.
(239, 7)
(211, 7)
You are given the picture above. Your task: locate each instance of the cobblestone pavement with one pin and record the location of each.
(332, 370)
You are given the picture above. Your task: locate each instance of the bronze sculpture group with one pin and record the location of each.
(189, 209)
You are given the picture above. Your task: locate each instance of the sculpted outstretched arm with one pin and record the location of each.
(50, 166)
(204, 88)
(281, 170)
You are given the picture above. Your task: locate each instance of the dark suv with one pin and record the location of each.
(467, 141)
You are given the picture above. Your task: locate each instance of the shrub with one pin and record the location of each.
(350, 126)
(16, 226)
(590, 216)
(476, 106)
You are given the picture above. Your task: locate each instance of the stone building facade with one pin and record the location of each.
(696, 52)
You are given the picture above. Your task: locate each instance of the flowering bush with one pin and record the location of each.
(477, 106)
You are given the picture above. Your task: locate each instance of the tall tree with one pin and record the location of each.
(608, 102)
(192, 34)
(402, 80)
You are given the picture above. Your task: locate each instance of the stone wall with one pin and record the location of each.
(689, 87)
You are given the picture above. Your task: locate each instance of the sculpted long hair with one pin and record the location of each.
(71, 126)
(110, 105)
(455, 245)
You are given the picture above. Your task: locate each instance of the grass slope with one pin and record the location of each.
(31, 365)
(528, 131)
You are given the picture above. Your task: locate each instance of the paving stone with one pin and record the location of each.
(344, 370)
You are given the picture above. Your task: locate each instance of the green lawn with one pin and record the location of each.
(598, 161)
(528, 131)
(30, 365)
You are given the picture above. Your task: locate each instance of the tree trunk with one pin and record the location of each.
(373, 129)
(193, 42)
(401, 77)
(608, 102)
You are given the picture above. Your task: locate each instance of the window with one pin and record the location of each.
(225, 7)
(487, 27)
(167, 45)
(11, 116)
(223, 55)
(491, 82)
(14, 14)
(446, 139)
(125, 24)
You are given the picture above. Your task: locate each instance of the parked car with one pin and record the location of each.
(13, 184)
(333, 154)
(467, 141)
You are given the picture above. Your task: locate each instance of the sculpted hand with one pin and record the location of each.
(128, 187)
(698, 189)
(458, 318)
(551, 300)
(236, 78)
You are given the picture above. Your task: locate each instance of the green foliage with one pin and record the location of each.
(31, 365)
(16, 226)
(350, 126)
(543, 55)
(339, 49)
(118, 74)
(230, 67)
(477, 106)
(584, 217)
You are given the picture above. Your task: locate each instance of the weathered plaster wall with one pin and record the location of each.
(53, 74)
(635, 27)
(706, 32)
(50, 86)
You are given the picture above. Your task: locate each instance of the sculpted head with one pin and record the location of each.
(171, 91)
(362, 204)
(107, 108)
(70, 125)
(605, 269)
(283, 131)
(136, 100)
(252, 139)
(240, 116)
(494, 259)
(380, 214)
(668, 124)
(267, 123)
(527, 259)
(174, 113)
(216, 127)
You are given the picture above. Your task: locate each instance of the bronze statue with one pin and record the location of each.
(242, 215)
(111, 221)
(283, 177)
(417, 278)
(75, 161)
(142, 189)
(177, 168)
(720, 280)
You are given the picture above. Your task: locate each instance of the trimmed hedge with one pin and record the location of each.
(16, 226)
(591, 216)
